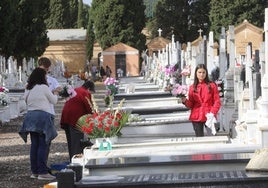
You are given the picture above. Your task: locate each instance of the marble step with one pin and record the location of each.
(142, 95)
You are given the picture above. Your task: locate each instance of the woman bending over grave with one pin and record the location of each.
(203, 101)
(73, 109)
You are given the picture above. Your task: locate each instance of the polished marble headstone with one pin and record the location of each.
(152, 160)
(230, 179)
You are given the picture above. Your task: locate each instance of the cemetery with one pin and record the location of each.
(158, 147)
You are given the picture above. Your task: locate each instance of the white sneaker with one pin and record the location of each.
(34, 176)
(46, 177)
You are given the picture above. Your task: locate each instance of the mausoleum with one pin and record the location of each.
(156, 44)
(124, 57)
(68, 46)
(245, 33)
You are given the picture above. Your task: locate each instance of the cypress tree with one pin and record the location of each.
(80, 20)
(59, 14)
(8, 26)
(90, 39)
(31, 40)
(234, 12)
(73, 14)
(119, 21)
(172, 17)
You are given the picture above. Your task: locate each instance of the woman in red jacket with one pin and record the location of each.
(203, 98)
(73, 109)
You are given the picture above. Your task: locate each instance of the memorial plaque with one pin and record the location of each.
(190, 177)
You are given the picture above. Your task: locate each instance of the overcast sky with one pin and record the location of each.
(87, 2)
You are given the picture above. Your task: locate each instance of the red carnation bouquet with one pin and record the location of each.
(103, 124)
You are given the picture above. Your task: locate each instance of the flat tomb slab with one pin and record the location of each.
(230, 179)
(151, 164)
(152, 160)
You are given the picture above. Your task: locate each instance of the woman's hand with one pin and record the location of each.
(183, 99)
(56, 91)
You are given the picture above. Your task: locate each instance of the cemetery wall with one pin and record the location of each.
(72, 53)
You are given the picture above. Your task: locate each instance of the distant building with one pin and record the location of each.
(122, 57)
(157, 44)
(69, 46)
(245, 33)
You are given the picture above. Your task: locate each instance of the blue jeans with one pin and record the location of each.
(38, 153)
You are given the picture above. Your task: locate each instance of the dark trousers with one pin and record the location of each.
(38, 153)
(73, 137)
(199, 129)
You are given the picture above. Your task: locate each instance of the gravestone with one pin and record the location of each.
(259, 161)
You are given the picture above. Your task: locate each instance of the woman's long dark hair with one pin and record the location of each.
(37, 77)
(206, 80)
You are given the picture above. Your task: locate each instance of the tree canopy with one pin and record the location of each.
(25, 23)
(119, 21)
(24, 31)
(181, 18)
(233, 12)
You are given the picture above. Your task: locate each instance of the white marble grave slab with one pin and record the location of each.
(259, 161)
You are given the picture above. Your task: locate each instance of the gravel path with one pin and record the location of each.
(14, 156)
(14, 153)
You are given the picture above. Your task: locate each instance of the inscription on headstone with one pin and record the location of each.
(187, 176)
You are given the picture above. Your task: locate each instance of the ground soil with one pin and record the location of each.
(14, 156)
(14, 153)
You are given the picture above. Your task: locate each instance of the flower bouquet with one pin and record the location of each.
(4, 98)
(186, 71)
(179, 90)
(67, 92)
(103, 124)
(112, 89)
(112, 85)
(169, 70)
(220, 85)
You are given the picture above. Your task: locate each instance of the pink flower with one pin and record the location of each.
(168, 70)
(220, 86)
(68, 92)
(186, 71)
(180, 90)
(110, 81)
(3, 89)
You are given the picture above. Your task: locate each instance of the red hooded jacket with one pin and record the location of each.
(76, 107)
(203, 101)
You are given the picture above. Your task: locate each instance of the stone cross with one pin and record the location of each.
(159, 32)
(200, 32)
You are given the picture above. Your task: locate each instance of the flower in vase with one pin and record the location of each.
(3, 89)
(111, 90)
(186, 71)
(111, 85)
(169, 70)
(220, 85)
(4, 98)
(103, 124)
